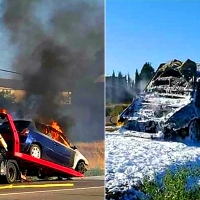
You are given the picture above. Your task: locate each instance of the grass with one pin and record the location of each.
(121, 104)
(94, 152)
(95, 172)
(173, 186)
(111, 129)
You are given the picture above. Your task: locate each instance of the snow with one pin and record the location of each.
(130, 159)
(126, 132)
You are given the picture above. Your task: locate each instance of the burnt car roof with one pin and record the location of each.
(179, 77)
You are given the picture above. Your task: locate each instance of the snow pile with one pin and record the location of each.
(129, 159)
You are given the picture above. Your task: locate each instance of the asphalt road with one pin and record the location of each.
(83, 188)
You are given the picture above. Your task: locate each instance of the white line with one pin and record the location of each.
(44, 191)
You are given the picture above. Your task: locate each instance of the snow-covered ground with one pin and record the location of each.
(129, 159)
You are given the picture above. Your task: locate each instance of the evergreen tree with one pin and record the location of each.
(129, 90)
(129, 81)
(146, 74)
(137, 82)
(147, 71)
(114, 85)
(113, 74)
(120, 75)
(124, 89)
(120, 88)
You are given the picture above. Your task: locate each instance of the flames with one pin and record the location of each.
(55, 125)
(57, 136)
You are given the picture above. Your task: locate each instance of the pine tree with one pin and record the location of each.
(120, 87)
(137, 82)
(129, 90)
(147, 71)
(114, 85)
(113, 74)
(129, 81)
(146, 74)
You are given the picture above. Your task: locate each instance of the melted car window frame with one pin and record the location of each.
(59, 137)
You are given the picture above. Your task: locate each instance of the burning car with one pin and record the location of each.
(47, 142)
(170, 104)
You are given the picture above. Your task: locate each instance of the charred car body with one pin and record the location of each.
(170, 103)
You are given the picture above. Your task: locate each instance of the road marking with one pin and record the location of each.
(6, 187)
(37, 186)
(47, 191)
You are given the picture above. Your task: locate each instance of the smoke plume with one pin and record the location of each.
(60, 47)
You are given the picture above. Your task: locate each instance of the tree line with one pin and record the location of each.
(122, 88)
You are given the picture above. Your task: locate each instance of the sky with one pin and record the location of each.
(155, 31)
(43, 12)
(139, 31)
(7, 51)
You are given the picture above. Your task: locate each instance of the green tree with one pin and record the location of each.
(121, 88)
(137, 82)
(113, 74)
(113, 89)
(129, 81)
(129, 90)
(146, 74)
(147, 71)
(120, 75)
(7, 100)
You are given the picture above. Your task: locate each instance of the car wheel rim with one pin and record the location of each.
(35, 152)
(82, 168)
(11, 173)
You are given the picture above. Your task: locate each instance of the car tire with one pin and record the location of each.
(11, 173)
(81, 167)
(194, 130)
(35, 151)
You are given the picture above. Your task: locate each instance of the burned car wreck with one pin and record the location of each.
(169, 105)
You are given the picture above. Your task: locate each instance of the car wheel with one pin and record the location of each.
(35, 151)
(194, 130)
(11, 173)
(81, 167)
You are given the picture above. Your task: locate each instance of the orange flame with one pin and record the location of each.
(55, 125)
(59, 137)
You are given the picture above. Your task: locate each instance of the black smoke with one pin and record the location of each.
(60, 47)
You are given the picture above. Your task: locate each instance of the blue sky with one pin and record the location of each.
(155, 31)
